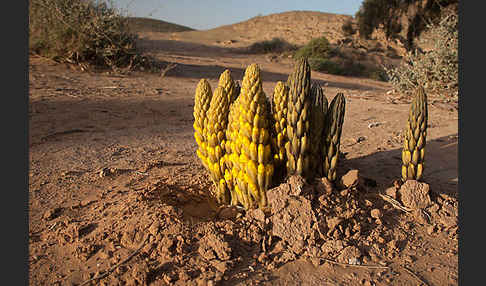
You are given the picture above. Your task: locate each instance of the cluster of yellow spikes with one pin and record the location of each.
(248, 143)
(233, 137)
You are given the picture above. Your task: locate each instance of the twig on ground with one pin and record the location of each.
(355, 265)
(107, 272)
(395, 203)
(415, 275)
(167, 68)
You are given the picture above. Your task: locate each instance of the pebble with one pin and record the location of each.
(360, 139)
(376, 213)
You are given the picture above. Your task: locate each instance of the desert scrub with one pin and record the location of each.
(315, 48)
(275, 45)
(323, 57)
(437, 69)
(318, 52)
(85, 33)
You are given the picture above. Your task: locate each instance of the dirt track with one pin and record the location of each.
(112, 160)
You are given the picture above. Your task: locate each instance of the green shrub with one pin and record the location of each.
(377, 74)
(325, 65)
(82, 32)
(323, 57)
(344, 68)
(275, 45)
(316, 48)
(436, 70)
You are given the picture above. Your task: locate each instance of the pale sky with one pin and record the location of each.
(208, 14)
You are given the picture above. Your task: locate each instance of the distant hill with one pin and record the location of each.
(295, 27)
(138, 24)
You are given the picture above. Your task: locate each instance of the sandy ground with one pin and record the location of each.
(116, 190)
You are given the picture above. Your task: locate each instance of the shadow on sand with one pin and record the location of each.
(440, 170)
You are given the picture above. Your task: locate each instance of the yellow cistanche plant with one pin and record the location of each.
(243, 139)
(332, 136)
(413, 153)
(202, 100)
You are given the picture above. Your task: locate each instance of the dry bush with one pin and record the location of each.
(437, 69)
(83, 32)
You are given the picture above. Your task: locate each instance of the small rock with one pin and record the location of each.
(349, 254)
(374, 124)
(314, 251)
(360, 139)
(376, 213)
(228, 213)
(297, 185)
(276, 197)
(350, 179)
(415, 194)
(213, 246)
(256, 214)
